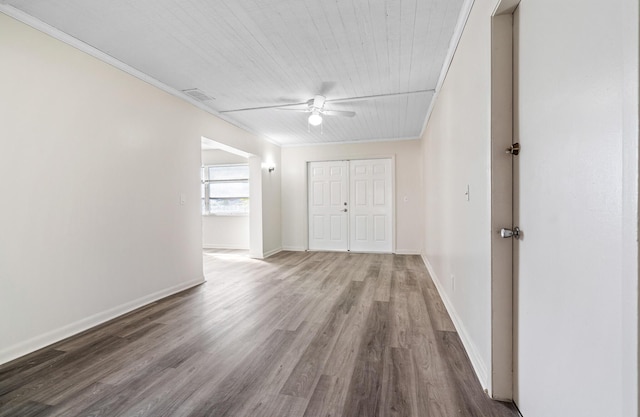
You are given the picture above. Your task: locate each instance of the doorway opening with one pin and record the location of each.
(225, 195)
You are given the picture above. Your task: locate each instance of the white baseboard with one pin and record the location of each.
(476, 360)
(23, 348)
(397, 252)
(216, 246)
(294, 248)
(272, 252)
(407, 252)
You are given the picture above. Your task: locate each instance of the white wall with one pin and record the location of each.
(272, 220)
(224, 232)
(408, 170)
(456, 153)
(93, 164)
(220, 157)
(457, 235)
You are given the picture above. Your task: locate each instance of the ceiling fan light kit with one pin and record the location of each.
(315, 119)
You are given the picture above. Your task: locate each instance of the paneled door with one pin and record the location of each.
(328, 205)
(370, 220)
(351, 205)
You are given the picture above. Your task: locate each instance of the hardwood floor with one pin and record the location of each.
(298, 334)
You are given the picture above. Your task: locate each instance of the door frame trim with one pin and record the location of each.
(500, 383)
(358, 158)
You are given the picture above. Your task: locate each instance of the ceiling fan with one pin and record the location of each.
(315, 106)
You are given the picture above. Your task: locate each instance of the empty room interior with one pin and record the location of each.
(297, 208)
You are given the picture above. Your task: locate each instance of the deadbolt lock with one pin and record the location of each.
(513, 149)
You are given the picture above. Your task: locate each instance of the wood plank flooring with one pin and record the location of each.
(299, 334)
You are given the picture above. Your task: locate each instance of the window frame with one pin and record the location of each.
(206, 181)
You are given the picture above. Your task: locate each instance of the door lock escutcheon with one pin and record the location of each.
(513, 149)
(508, 233)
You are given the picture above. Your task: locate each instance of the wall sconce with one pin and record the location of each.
(269, 166)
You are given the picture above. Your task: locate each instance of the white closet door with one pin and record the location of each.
(328, 211)
(371, 208)
(569, 204)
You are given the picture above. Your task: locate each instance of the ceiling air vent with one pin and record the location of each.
(197, 94)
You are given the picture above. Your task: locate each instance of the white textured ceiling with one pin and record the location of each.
(256, 53)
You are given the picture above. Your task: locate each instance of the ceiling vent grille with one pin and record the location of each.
(197, 94)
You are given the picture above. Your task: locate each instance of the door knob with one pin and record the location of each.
(507, 233)
(345, 210)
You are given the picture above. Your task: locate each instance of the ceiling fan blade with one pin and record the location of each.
(377, 96)
(339, 113)
(276, 106)
(296, 110)
(326, 87)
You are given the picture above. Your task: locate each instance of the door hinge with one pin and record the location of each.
(514, 149)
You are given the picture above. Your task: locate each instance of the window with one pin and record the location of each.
(225, 189)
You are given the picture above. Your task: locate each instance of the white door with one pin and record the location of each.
(371, 205)
(328, 205)
(351, 205)
(567, 202)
